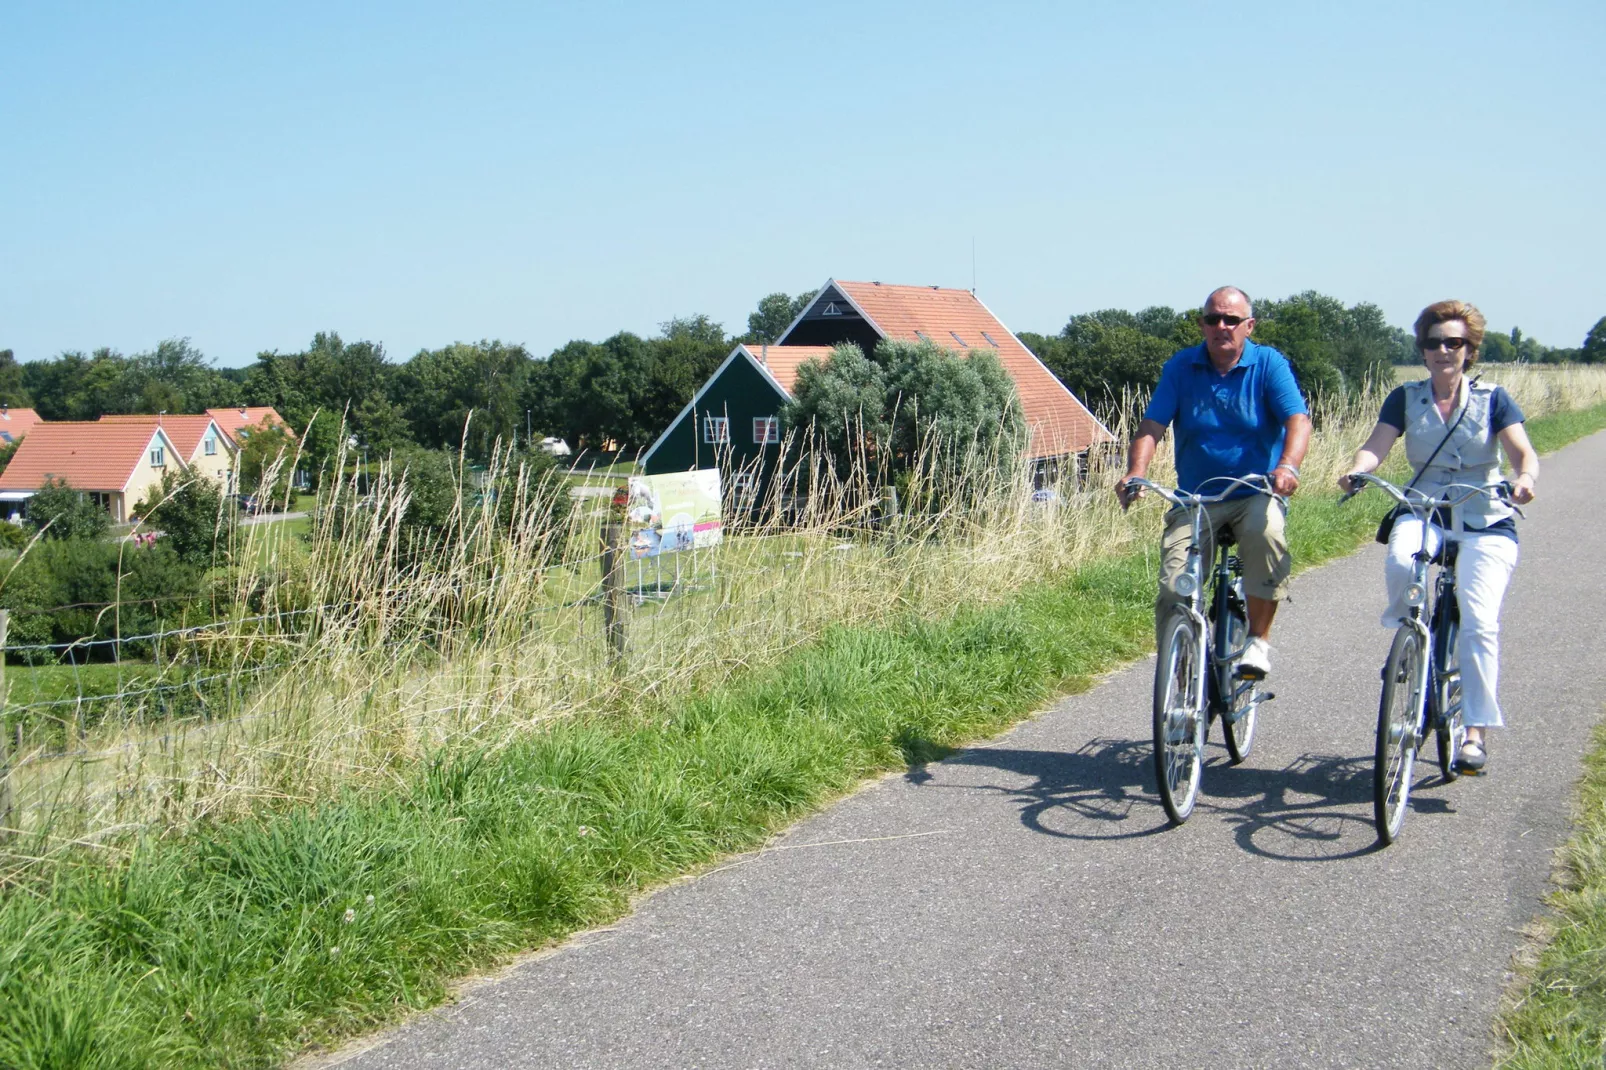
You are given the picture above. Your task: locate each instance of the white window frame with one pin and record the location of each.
(766, 430)
(716, 430)
(211, 446)
(158, 457)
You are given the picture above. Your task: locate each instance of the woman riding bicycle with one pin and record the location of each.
(1451, 426)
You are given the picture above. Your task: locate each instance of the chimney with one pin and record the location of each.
(764, 353)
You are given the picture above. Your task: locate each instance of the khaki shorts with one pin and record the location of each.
(1256, 521)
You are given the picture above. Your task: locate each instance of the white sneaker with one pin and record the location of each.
(1256, 662)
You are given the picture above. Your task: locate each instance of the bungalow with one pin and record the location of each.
(199, 441)
(733, 420)
(114, 462)
(14, 423)
(237, 422)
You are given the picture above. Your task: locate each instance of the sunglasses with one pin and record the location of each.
(1220, 319)
(1454, 345)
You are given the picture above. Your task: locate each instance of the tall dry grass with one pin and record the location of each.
(392, 647)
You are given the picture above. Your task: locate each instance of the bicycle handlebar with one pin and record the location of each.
(1420, 502)
(1258, 483)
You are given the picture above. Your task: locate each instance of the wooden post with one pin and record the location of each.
(614, 559)
(7, 809)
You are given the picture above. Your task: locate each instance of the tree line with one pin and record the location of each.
(624, 390)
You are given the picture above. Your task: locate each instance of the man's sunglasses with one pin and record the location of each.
(1220, 319)
(1452, 344)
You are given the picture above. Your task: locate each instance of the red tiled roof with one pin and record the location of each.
(784, 361)
(93, 455)
(233, 421)
(14, 423)
(1060, 424)
(184, 431)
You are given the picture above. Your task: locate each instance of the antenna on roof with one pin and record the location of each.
(973, 263)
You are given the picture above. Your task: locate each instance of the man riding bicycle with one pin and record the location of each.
(1238, 412)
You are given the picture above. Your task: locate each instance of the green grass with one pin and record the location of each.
(1554, 431)
(241, 942)
(1557, 1016)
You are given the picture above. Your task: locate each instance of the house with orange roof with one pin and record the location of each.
(237, 422)
(114, 462)
(14, 423)
(733, 420)
(199, 441)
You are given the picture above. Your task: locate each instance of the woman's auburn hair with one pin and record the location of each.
(1445, 311)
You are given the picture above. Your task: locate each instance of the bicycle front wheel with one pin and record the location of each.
(1241, 697)
(1449, 730)
(1179, 717)
(1399, 722)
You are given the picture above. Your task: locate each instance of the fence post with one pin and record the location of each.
(7, 809)
(613, 588)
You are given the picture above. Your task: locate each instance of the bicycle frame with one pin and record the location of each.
(1223, 690)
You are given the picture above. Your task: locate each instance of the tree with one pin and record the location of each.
(268, 452)
(60, 512)
(840, 405)
(590, 392)
(1594, 350)
(775, 313)
(13, 390)
(439, 389)
(949, 411)
(194, 515)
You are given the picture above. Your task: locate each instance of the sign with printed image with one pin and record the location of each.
(673, 512)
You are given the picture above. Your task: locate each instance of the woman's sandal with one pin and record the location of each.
(1472, 758)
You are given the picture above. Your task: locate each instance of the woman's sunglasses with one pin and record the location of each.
(1454, 345)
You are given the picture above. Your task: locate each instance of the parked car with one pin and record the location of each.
(250, 504)
(556, 446)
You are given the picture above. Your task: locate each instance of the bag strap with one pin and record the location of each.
(1459, 417)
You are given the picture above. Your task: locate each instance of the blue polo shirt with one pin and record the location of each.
(1226, 425)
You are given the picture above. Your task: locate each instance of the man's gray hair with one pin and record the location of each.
(1230, 290)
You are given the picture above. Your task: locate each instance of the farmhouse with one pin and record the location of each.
(734, 419)
(114, 463)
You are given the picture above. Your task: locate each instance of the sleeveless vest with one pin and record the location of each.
(1471, 456)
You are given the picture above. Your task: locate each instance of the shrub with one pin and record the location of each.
(61, 512)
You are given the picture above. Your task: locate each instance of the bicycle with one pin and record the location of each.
(1422, 677)
(1190, 690)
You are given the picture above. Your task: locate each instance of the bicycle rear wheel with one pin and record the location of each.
(1448, 728)
(1179, 718)
(1399, 720)
(1243, 708)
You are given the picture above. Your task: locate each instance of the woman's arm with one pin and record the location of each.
(1521, 453)
(1372, 451)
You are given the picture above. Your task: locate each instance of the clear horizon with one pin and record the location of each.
(416, 177)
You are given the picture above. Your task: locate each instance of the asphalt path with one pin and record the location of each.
(1024, 904)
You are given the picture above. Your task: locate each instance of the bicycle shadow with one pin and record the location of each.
(1317, 808)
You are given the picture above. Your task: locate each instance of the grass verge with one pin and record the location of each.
(240, 942)
(1557, 1017)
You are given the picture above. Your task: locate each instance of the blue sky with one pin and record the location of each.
(417, 174)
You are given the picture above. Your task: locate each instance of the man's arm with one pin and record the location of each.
(1296, 440)
(1149, 434)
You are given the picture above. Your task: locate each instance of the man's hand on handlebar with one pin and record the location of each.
(1284, 481)
(1126, 495)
